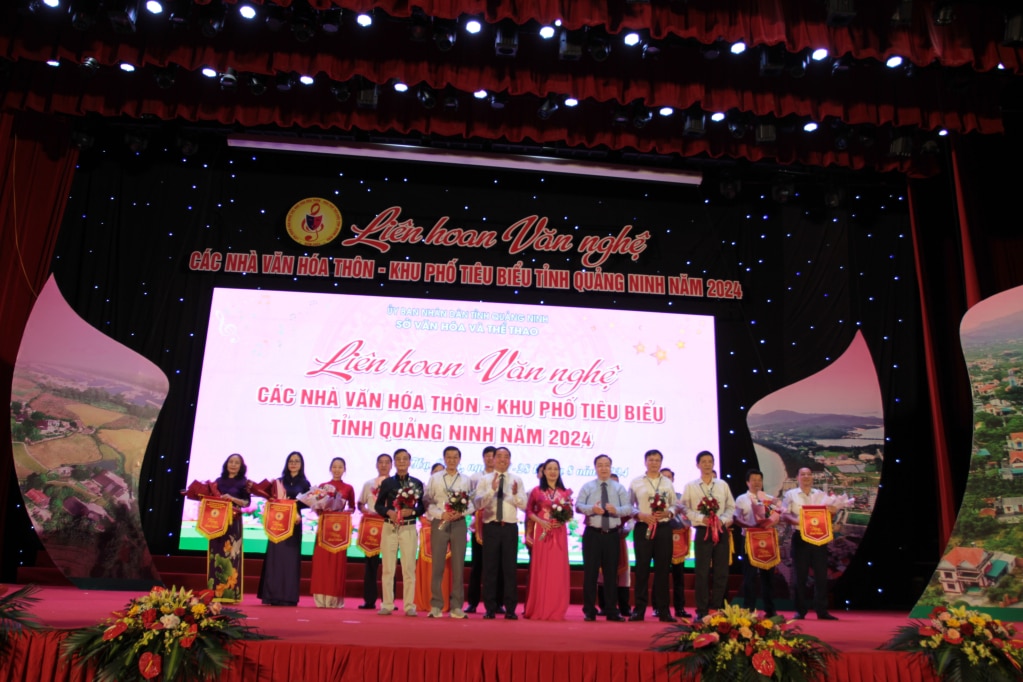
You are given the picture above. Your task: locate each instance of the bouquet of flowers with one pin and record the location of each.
(322, 498)
(708, 506)
(168, 634)
(197, 490)
(561, 510)
(741, 644)
(407, 498)
(269, 490)
(658, 503)
(963, 645)
(457, 503)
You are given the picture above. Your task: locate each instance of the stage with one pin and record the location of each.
(351, 644)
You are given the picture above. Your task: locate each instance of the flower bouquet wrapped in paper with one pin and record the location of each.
(407, 498)
(323, 498)
(658, 503)
(197, 490)
(269, 490)
(561, 509)
(457, 502)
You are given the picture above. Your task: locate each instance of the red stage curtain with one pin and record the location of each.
(36, 167)
(799, 25)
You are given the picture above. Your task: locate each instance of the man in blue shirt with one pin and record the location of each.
(604, 502)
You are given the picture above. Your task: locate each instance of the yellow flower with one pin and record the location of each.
(198, 609)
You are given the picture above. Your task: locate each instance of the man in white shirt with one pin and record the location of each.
(710, 533)
(475, 588)
(805, 554)
(751, 512)
(643, 491)
(447, 528)
(499, 497)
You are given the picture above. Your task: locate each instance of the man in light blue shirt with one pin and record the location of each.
(605, 503)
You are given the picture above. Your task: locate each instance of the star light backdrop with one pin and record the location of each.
(811, 277)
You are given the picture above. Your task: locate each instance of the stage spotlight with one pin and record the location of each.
(154, 6)
(247, 12)
(330, 20)
(841, 65)
(187, 145)
(810, 127)
(444, 35)
(631, 39)
(901, 146)
(765, 133)
(798, 63)
(178, 12)
(833, 196)
(211, 19)
(714, 50)
(944, 13)
(599, 48)
(420, 28)
(547, 32)
(820, 54)
(365, 20)
(737, 47)
(717, 116)
(651, 50)
(285, 81)
(341, 92)
(473, 26)
(90, 65)
(641, 116)
(784, 188)
(1013, 29)
(228, 79)
(570, 47)
(123, 15)
(506, 43)
(426, 96)
(450, 102)
(548, 107)
(695, 125)
(729, 187)
(893, 62)
(498, 101)
(257, 84)
(82, 140)
(276, 19)
(137, 141)
(303, 22)
(903, 14)
(620, 116)
(83, 14)
(737, 126)
(840, 13)
(368, 96)
(772, 60)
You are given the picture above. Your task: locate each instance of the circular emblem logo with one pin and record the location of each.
(215, 513)
(374, 531)
(314, 222)
(815, 522)
(762, 544)
(336, 527)
(278, 516)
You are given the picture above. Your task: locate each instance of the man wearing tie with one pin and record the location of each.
(499, 496)
(475, 587)
(604, 502)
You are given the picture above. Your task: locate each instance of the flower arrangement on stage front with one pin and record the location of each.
(963, 645)
(741, 644)
(168, 634)
(15, 618)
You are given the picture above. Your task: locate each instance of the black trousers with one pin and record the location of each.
(474, 590)
(678, 587)
(710, 569)
(750, 576)
(657, 548)
(804, 557)
(500, 558)
(369, 581)
(600, 555)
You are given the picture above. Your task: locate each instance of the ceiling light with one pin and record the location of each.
(665, 111)
(810, 126)
(364, 20)
(641, 117)
(737, 48)
(944, 14)
(209, 72)
(127, 68)
(309, 80)
(784, 188)
(153, 6)
(480, 94)
(631, 39)
(303, 22)
(247, 12)
(473, 26)
(893, 62)
(942, 132)
(400, 87)
(571, 102)
(547, 32)
(53, 62)
(717, 116)
(820, 54)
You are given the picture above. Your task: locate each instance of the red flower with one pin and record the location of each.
(927, 631)
(150, 665)
(180, 611)
(938, 610)
(148, 617)
(706, 639)
(1016, 643)
(784, 648)
(998, 643)
(966, 629)
(951, 638)
(188, 641)
(763, 663)
(114, 630)
(724, 627)
(749, 649)
(157, 589)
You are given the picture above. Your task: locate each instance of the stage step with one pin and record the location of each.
(189, 571)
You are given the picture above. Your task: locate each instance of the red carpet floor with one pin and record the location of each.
(351, 644)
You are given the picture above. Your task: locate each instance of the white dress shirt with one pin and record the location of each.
(486, 498)
(440, 485)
